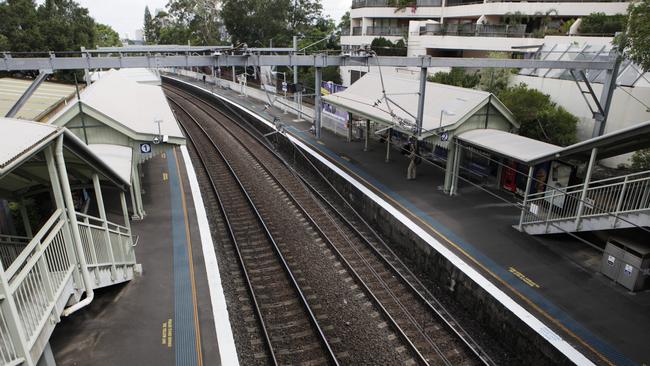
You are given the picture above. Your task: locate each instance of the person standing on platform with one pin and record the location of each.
(413, 154)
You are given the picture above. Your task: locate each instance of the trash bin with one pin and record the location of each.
(627, 262)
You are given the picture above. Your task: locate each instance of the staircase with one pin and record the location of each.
(613, 203)
(41, 276)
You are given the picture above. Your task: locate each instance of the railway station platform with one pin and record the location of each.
(166, 316)
(555, 278)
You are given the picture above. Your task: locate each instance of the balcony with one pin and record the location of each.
(386, 31)
(392, 4)
(472, 29)
(356, 31)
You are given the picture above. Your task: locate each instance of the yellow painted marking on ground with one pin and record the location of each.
(163, 155)
(473, 260)
(345, 158)
(169, 333)
(320, 142)
(165, 176)
(164, 333)
(197, 326)
(523, 277)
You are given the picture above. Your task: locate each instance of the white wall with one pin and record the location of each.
(624, 111)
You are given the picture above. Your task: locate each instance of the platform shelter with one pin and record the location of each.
(389, 103)
(124, 108)
(65, 232)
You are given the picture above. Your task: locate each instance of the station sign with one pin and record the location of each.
(145, 148)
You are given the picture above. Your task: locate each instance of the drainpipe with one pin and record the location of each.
(67, 195)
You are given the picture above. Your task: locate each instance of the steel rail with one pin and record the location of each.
(232, 237)
(338, 252)
(267, 232)
(447, 318)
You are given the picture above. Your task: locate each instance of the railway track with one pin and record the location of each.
(290, 329)
(420, 321)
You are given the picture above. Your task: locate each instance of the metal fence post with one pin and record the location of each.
(12, 320)
(529, 180)
(585, 186)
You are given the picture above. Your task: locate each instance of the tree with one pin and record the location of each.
(149, 36)
(384, 47)
(105, 36)
(302, 15)
(599, 23)
(256, 22)
(20, 26)
(641, 159)
(636, 40)
(539, 117)
(344, 23)
(494, 80)
(456, 77)
(65, 26)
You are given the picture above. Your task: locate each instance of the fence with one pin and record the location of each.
(472, 29)
(10, 247)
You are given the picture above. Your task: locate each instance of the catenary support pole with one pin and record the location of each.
(454, 179)
(421, 95)
(607, 95)
(585, 186)
(449, 165)
(317, 104)
(529, 181)
(367, 135)
(388, 136)
(296, 93)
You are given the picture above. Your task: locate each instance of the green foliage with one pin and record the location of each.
(188, 21)
(641, 159)
(384, 47)
(401, 4)
(540, 118)
(494, 80)
(516, 18)
(105, 36)
(150, 34)
(344, 23)
(60, 25)
(4, 43)
(636, 40)
(599, 23)
(566, 26)
(456, 77)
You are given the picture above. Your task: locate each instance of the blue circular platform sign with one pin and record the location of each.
(145, 148)
(444, 136)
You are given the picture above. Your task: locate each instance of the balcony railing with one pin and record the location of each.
(356, 31)
(391, 4)
(386, 31)
(472, 29)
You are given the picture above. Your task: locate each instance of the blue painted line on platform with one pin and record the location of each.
(603, 347)
(184, 334)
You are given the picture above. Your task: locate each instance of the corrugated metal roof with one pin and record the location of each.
(47, 95)
(117, 157)
(507, 144)
(132, 104)
(19, 137)
(365, 97)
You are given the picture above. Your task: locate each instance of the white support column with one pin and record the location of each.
(367, 135)
(529, 181)
(60, 204)
(449, 166)
(74, 226)
(585, 186)
(102, 215)
(25, 217)
(499, 172)
(137, 191)
(454, 179)
(125, 211)
(317, 106)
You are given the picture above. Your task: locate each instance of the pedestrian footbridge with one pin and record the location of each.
(69, 243)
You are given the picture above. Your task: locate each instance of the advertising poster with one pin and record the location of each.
(330, 112)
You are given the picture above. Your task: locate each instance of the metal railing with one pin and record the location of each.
(393, 4)
(31, 286)
(607, 197)
(386, 31)
(472, 29)
(105, 244)
(10, 247)
(356, 31)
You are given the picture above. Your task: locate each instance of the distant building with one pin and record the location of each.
(139, 35)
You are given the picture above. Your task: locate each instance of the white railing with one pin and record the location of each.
(32, 284)
(607, 197)
(10, 247)
(105, 244)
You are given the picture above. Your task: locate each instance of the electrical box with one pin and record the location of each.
(628, 263)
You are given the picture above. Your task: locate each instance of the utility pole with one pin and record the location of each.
(317, 106)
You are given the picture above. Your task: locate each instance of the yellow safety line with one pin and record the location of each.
(189, 250)
(475, 261)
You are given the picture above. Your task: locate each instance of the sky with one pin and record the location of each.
(125, 16)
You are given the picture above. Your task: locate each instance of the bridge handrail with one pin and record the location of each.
(629, 193)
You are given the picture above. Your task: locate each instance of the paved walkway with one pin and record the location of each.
(163, 317)
(555, 277)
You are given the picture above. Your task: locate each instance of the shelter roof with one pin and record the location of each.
(130, 105)
(509, 145)
(365, 98)
(47, 96)
(118, 157)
